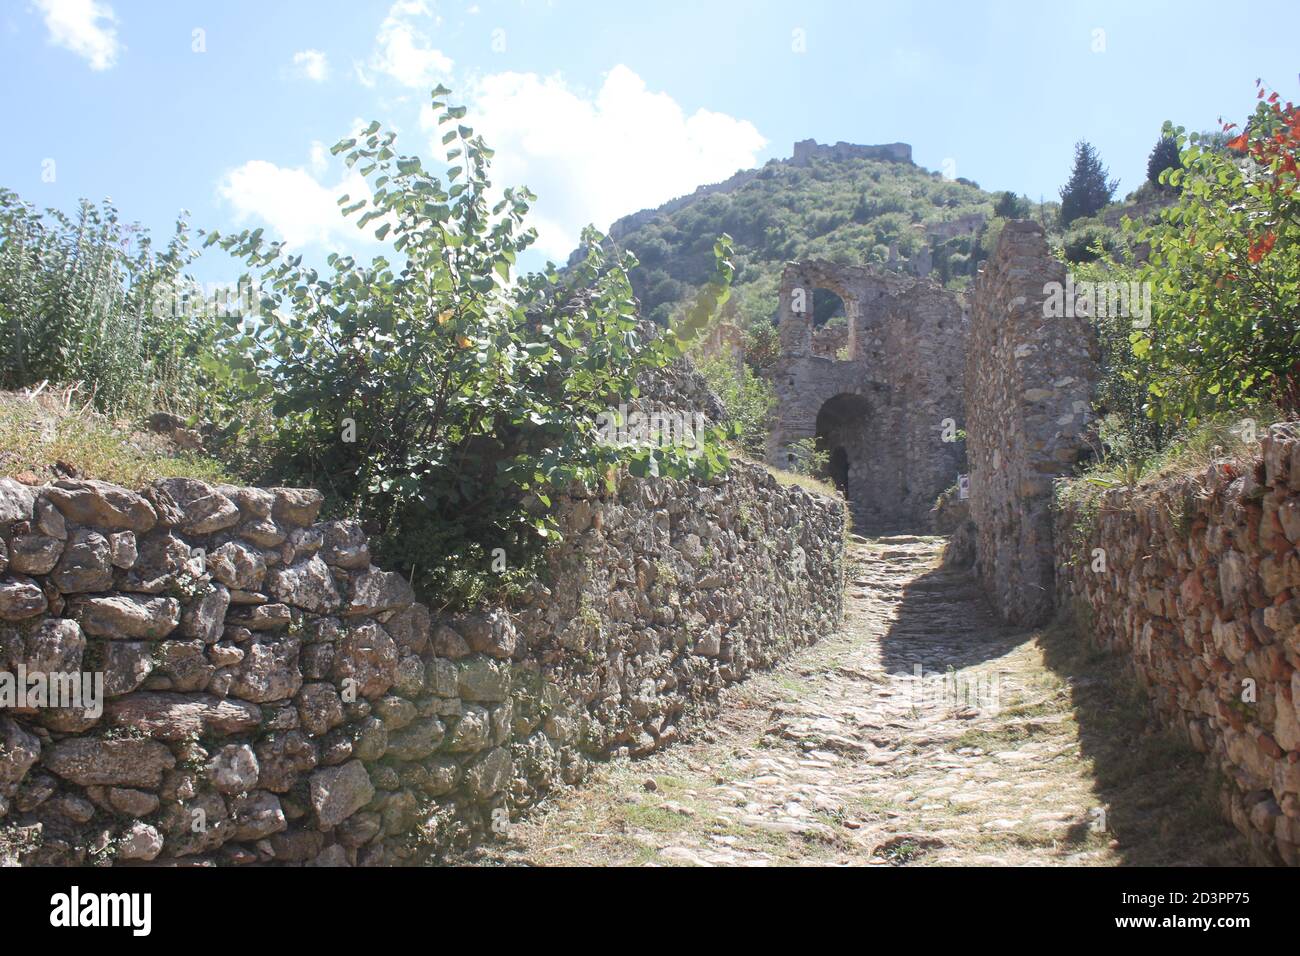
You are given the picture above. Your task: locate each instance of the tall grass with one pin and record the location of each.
(87, 299)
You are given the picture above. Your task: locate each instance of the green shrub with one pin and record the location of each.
(1088, 240)
(89, 300)
(1225, 272)
(748, 398)
(442, 400)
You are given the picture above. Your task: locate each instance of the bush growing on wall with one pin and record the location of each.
(1225, 272)
(443, 398)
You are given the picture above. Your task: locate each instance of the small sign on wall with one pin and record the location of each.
(963, 487)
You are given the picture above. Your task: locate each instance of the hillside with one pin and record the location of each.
(845, 203)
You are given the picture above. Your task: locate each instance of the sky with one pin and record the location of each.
(602, 107)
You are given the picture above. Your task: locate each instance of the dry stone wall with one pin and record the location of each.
(1197, 580)
(1029, 380)
(270, 696)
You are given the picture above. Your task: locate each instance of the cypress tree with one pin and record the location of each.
(1088, 190)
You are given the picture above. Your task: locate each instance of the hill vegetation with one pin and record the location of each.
(851, 211)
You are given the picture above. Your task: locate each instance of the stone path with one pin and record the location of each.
(923, 733)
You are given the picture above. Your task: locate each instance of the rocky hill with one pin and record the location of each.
(845, 203)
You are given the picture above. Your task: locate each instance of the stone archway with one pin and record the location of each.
(866, 461)
(877, 391)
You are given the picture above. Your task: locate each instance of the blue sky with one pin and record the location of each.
(602, 107)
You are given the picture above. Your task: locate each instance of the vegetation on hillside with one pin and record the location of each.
(47, 433)
(1219, 355)
(441, 398)
(849, 211)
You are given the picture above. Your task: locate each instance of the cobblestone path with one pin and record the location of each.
(923, 733)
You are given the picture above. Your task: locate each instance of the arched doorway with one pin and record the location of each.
(838, 468)
(865, 459)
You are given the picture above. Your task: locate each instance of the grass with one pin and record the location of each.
(38, 431)
(807, 482)
(1215, 437)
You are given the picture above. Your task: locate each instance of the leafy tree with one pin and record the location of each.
(1011, 206)
(443, 399)
(1225, 272)
(1164, 155)
(1088, 190)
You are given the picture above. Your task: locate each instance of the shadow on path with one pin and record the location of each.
(1160, 797)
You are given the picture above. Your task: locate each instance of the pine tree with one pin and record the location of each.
(1163, 156)
(1010, 206)
(1088, 190)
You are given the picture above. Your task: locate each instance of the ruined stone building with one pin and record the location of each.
(880, 391)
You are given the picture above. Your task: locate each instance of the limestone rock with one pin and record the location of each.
(172, 716)
(126, 665)
(210, 513)
(17, 503)
(338, 792)
(122, 549)
(375, 591)
(109, 762)
(139, 841)
(345, 545)
(488, 774)
(320, 709)
(233, 769)
(269, 671)
(416, 741)
(21, 749)
(237, 565)
(54, 646)
(86, 564)
(34, 553)
(307, 585)
(20, 598)
(129, 616)
(102, 505)
(483, 679)
(257, 815)
(205, 618)
(297, 506)
(367, 656)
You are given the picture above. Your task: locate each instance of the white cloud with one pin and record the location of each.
(320, 157)
(594, 158)
(404, 51)
(292, 203)
(85, 27)
(311, 64)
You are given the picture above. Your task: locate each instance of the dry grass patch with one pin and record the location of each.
(51, 434)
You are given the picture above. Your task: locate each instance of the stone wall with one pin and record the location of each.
(1029, 380)
(273, 697)
(806, 150)
(879, 389)
(1197, 580)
